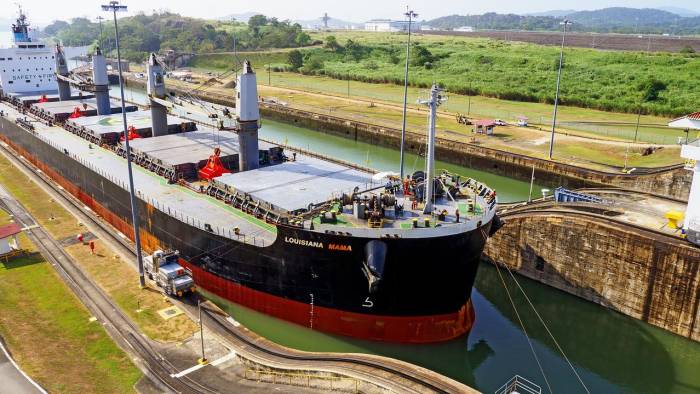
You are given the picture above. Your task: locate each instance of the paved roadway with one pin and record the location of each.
(13, 379)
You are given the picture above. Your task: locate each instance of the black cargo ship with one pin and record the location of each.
(310, 240)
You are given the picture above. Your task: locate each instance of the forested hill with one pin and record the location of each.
(143, 33)
(607, 20)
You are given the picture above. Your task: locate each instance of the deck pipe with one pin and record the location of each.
(156, 89)
(248, 119)
(62, 70)
(101, 82)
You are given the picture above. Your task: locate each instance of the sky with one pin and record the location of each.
(42, 12)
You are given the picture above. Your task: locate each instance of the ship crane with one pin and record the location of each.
(168, 102)
(437, 97)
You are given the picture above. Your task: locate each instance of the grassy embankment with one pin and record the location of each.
(116, 277)
(374, 105)
(50, 334)
(606, 80)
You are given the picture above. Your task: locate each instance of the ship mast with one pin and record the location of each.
(436, 99)
(20, 30)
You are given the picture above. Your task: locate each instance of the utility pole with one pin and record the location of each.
(99, 20)
(639, 117)
(269, 74)
(566, 22)
(114, 6)
(348, 86)
(410, 15)
(469, 99)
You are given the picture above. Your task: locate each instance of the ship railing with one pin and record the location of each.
(308, 380)
(519, 385)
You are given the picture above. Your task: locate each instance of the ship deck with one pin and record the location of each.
(60, 110)
(293, 185)
(290, 186)
(109, 127)
(194, 208)
(192, 147)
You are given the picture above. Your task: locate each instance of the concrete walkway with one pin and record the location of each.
(14, 381)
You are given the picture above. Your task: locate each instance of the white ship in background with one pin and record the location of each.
(28, 66)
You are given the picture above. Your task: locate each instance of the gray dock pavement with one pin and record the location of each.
(13, 379)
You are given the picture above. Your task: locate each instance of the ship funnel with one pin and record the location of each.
(62, 70)
(247, 116)
(156, 93)
(101, 82)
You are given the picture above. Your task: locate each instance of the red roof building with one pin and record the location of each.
(9, 230)
(485, 126)
(8, 239)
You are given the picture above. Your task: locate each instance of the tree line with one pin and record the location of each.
(142, 33)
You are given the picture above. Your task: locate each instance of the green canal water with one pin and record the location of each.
(611, 352)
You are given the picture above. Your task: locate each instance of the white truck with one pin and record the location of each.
(162, 267)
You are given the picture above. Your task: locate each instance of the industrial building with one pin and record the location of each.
(387, 25)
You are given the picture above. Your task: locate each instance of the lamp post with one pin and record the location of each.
(410, 15)
(203, 360)
(565, 23)
(99, 20)
(115, 7)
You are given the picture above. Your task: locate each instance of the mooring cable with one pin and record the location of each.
(548, 331)
(522, 325)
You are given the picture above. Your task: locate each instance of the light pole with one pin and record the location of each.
(469, 98)
(99, 20)
(410, 15)
(114, 6)
(202, 360)
(566, 22)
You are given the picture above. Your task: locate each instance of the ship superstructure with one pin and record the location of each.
(26, 66)
(322, 243)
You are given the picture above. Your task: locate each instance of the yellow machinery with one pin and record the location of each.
(675, 219)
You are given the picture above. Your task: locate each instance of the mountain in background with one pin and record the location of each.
(6, 23)
(333, 23)
(606, 20)
(242, 17)
(621, 17)
(554, 13)
(684, 12)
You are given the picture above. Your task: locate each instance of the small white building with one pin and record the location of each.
(465, 29)
(8, 239)
(387, 25)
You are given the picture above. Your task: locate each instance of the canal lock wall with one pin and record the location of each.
(671, 182)
(627, 269)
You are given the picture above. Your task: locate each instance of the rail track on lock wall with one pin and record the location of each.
(384, 372)
(117, 324)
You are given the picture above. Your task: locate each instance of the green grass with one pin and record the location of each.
(114, 276)
(599, 123)
(605, 80)
(50, 334)
(595, 122)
